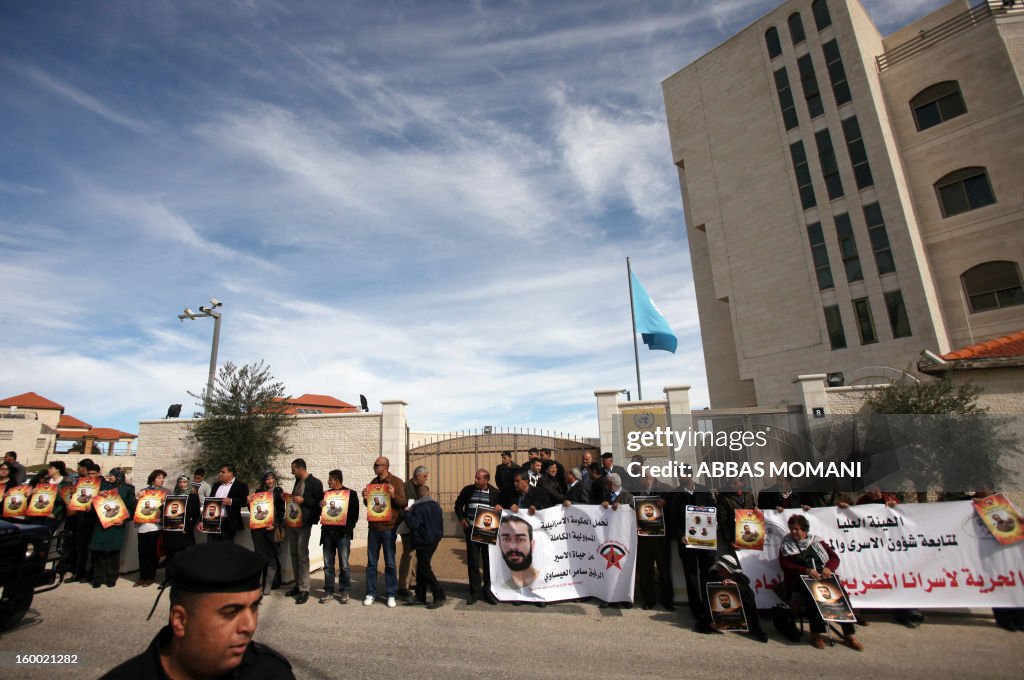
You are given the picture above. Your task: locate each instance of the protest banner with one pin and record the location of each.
(916, 555)
(564, 553)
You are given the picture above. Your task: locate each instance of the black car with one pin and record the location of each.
(28, 557)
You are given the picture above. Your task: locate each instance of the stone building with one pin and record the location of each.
(851, 198)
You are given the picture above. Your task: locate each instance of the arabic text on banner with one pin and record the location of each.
(563, 553)
(916, 555)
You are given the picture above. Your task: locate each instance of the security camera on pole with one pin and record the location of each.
(215, 315)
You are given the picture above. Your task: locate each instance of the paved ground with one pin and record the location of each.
(563, 641)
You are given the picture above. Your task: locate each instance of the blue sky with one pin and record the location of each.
(422, 200)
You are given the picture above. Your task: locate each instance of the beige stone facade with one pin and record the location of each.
(762, 304)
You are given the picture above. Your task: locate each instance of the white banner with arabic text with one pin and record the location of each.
(565, 553)
(915, 555)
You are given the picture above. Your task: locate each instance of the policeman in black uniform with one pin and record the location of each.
(215, 595)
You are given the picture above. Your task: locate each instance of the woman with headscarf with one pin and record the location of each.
(105, 544)
(803, 554)
(176, 541)
(149, 536)
(263, 540)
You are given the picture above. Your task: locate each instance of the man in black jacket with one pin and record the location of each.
(426, 528)
(479, 493)
(576, 493)
(307, 494)
(337, 541)
(235, 494)
(505, 477)
(696, 562)
(532, 498)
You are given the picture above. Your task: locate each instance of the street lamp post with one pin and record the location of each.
(215, 315)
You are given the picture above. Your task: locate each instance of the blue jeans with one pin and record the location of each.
(376, 541)
(336, 545)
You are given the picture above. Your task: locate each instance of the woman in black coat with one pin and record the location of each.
(176, 541)
(264, 541)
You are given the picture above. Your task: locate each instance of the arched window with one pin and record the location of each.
(822, 19)
(796, 28)
(936, 104)
(991, 285)
(963, 190)
(771, 39)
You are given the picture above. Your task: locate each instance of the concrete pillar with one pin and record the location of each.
(608, 422)
(812, 392)
(680, 420)
(393, 442)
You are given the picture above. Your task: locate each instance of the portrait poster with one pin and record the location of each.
(16, 500)
(174, 513)
(110, 508)
(1001, 518)
(44, 497)
(650, 520)
(86, 489)
(485, 525)
(830, 599)
(66, 491)
(149, 507)
(213, 513)
(378, 503)
(292, 515)
(564, 553)
(261, 510)
(701, 527)
(335, 510)
(726, 607)
(750, 529)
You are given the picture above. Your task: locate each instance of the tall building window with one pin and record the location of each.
(829, 167)
(771, 40)
(898, 320)
(937, 104)
(803, 175)
(836, 72)
(796, 28)
(822, 19)
(786, 102)
(834, 323)
(963, 190)
(879, 239)
(865, 324)
(810, 84)
(991, 285)
(858, 154)
(820, 255)
(848, 248)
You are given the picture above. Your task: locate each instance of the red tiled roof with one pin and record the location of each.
(31, 400)
(100, 433)
(1011, 345)
(321, 402)
(73, 422)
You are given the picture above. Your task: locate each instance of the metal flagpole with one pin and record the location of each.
(632, 315)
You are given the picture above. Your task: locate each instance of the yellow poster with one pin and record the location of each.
(1001, 518)
(150, 506)
(335, 510)
(378, 503)
(16, 500)
(261, 510)
(86, 489)
(749, 529)
(293, 515)
(44, 496)
(110, 508)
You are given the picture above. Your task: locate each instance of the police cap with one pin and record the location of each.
(216, 567)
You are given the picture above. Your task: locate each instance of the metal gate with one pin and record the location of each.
(454, 458)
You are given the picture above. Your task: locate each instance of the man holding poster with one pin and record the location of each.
(336, 534)
(478, 494)
(382, 535)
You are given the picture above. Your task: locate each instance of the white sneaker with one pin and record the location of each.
(368, 600)
(391, 603)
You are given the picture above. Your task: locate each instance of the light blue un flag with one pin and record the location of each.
(650, 322)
